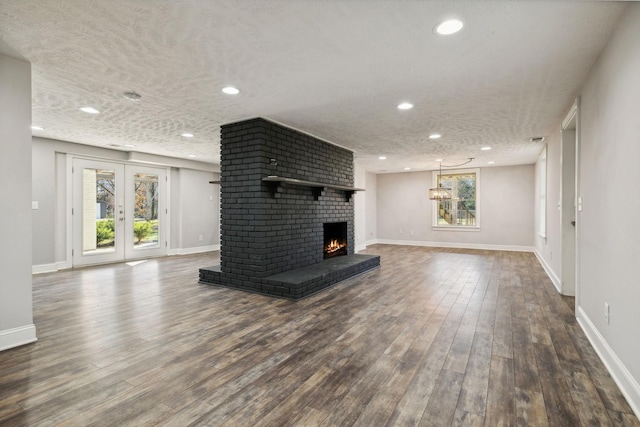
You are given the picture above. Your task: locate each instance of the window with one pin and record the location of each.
(462, 210)
(542, 183)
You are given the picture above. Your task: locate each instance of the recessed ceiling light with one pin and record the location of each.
(438, 160)
(435, 136)
(407, 169)
(451, 26)
(405, 106)
(230, 90)
(131, 96)
(491, 162)
(382, 158)
(90, 110)
(486, 148)
(187, 135)
(129, 145)
(192, 155)
(37, 128)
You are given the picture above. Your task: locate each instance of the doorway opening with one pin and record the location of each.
(568, 203)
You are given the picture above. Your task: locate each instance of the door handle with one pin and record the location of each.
(573, 223)
(121, 218)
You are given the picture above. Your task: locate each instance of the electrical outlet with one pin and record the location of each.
(401, 231)
(606, 312)
(200, 238)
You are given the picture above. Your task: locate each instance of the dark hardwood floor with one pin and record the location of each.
(433, 337)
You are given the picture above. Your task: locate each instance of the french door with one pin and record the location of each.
(119, 212)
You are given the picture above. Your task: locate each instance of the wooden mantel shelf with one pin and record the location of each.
(318, 187)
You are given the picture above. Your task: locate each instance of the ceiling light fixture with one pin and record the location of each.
(439, 192)
(230, 90)
(405, 106)
(449, 27)
(435, 136)
(37, 128)
(129, 145)
(192, 155)
(89, 110)
(491, 162)
(486, 148)
(382, 158)
(132, 96)
(187, 135)
(407, 169)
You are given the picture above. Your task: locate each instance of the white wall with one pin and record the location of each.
(360, 208)
(196, 204)
(16, 316)
(609, 240)
(50, 221)
(371, 228)
(404, 211)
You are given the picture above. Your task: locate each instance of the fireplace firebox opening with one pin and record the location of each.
(335, 239)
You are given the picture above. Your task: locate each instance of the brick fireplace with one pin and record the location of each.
(279, 190)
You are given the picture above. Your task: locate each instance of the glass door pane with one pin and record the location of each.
(146, 209)
(98, 208)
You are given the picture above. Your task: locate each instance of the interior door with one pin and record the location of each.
(119, 212)
(98, 212)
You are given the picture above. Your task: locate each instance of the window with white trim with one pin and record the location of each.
(461, 211)
(542, 183)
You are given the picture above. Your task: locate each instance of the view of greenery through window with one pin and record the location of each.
(461, 209)
(105, 197)
(145, 226)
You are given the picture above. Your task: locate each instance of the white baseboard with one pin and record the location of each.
(17, 336)
(371, 242)
(455, 245)
(194, 250)
(552, 274)
(44, 268)
(620, 374)
(361, 247)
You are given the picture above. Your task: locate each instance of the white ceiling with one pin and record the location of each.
(334, 68)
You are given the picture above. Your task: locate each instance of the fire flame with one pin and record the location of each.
(334, 246)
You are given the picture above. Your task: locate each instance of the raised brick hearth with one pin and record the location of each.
(272, 235)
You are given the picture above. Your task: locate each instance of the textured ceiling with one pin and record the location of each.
(335, 69)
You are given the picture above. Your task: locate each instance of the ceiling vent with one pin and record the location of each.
(537, 139)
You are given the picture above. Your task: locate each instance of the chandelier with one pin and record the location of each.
(440, 192)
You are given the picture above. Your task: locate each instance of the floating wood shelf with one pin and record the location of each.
(318, 187)
(214, 182)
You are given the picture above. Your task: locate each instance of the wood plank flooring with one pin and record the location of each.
(434, 337)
